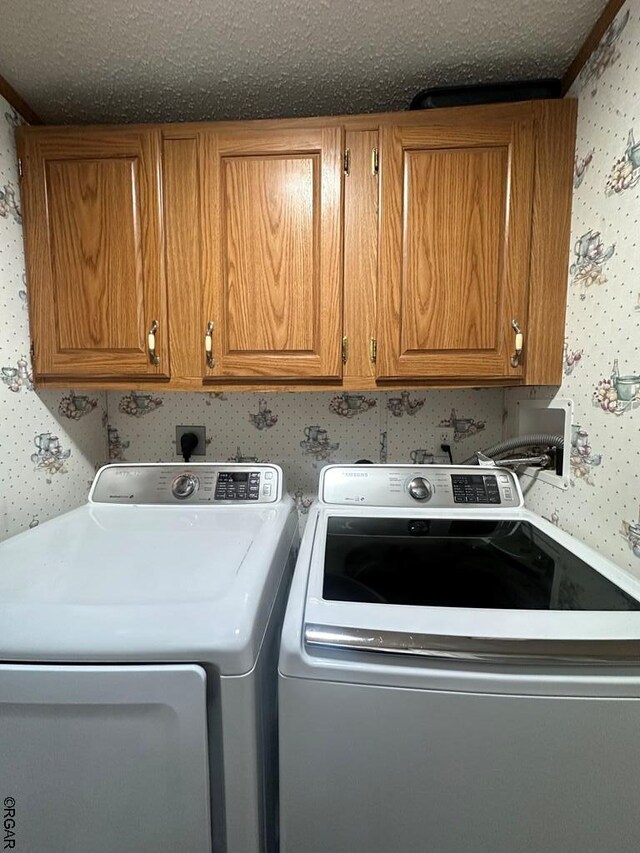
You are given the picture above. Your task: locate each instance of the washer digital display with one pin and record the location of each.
(475, 489)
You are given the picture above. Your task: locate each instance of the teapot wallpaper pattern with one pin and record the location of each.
(602, 350)
(50, 442)
(305, 431)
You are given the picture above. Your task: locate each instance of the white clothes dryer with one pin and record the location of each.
(138, 649)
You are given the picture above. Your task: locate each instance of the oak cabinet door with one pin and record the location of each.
(272, 248)
(454, 248)
(93, 237)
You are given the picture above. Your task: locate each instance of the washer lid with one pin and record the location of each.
(144, 583)
(498, 564)
(468, 584)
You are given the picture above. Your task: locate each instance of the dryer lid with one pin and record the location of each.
(143, 583)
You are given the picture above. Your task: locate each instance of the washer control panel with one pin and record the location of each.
(432, 486)
(176, 483)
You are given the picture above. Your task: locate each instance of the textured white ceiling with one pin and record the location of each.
(142, 60)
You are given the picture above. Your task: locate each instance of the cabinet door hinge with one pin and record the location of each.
(373, 349)
(375, 161)
(347, 161)
(20, 172)
(345, 350)
(32, 351)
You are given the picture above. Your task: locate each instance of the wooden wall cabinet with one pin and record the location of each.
(260, 230)
(454, 248)
(93, 241)
(472, 218)
(342, 252)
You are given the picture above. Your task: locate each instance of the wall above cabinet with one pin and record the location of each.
(346, 252)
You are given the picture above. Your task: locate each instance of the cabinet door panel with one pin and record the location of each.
(274, 288)
(272, 212)
(95, 266)
(454, 251)
(95, 235)
(448, 272)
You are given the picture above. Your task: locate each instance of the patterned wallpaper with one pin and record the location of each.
(305, 431)
(602, 348)
(50, 442)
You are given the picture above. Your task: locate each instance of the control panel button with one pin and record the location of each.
(420, 489)
(266, 490)
(184, 486)
(268, 475)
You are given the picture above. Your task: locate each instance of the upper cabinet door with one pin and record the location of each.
(272, 249)
(455, 228)
(93, 235)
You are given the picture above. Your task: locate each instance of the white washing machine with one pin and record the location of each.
(456, 674)
(138, 649)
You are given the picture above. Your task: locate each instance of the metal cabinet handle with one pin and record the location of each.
(516, 358)
(208, 345)
(151, 343)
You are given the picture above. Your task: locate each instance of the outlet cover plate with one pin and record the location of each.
(200, 431)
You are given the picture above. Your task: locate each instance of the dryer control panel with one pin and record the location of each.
(177, 483)
(432, 486)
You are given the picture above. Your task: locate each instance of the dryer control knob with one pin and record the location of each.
(420, 489)
(184, 485)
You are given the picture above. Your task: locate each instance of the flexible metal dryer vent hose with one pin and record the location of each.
(542, 439)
